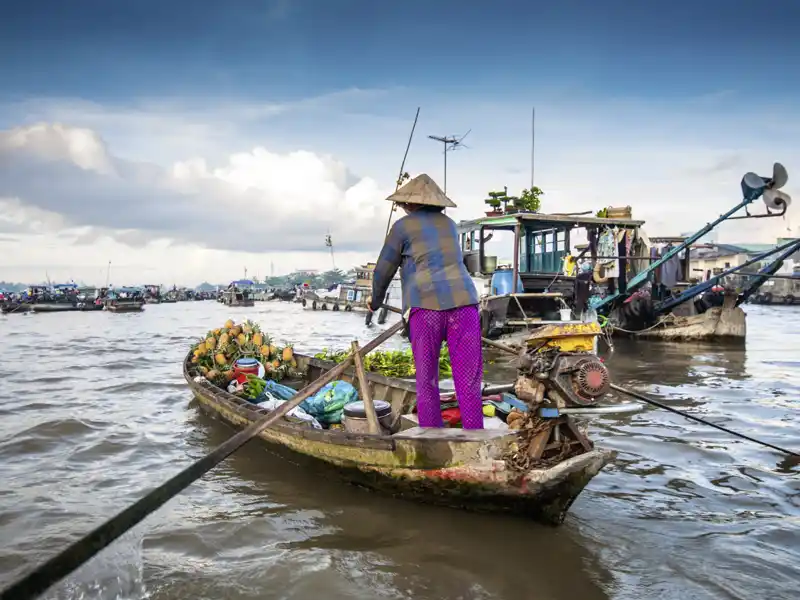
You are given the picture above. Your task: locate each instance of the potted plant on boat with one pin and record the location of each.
(529, 200)
(494, 203)
(495, 200)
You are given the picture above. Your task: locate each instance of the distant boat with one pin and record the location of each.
(125, 299)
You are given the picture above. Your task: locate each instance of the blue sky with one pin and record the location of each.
(300, 48)
(637, 102)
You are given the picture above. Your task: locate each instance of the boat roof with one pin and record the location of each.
(242, 282)
(127, 289)
(675, 239)
(542, 221)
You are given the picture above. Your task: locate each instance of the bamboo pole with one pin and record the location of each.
(366, 394)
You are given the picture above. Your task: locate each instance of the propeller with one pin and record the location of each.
(754, 186)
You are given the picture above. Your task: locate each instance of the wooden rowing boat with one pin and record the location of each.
(452, 467)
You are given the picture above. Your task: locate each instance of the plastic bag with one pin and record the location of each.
(298, 413)
(327, 405)
(284, 392)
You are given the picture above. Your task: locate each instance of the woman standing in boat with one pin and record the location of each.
(441, 296)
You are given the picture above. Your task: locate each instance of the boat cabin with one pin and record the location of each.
(239, 293)
(547, 281)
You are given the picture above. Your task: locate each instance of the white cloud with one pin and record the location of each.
(201, 189)
(257, 201)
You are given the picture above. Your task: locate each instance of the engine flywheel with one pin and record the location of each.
(592, 379)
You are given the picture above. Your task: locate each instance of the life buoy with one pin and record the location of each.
(599, 274)
(314, 305)
(304, 302)
(324, 306)
(348, 308)
(335, 307)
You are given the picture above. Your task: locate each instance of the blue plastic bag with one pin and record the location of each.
(284, 392)
(327, 405)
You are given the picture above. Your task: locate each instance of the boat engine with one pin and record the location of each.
(567, 378)
(560, 366)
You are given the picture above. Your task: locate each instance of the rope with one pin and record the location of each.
(649, 400)
(664, 321)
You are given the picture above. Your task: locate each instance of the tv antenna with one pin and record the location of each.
(450, 142)
(329, 244)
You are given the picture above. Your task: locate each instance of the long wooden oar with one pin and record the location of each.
(64, 563)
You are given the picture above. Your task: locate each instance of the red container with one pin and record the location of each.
(245, 366)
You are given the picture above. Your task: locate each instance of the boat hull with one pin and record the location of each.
(449, 467)
(90, 307)
(9, 309)
(718, 324)
(52, 308)
(125, 308)
(240, 303)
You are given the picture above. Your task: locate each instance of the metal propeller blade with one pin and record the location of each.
(779, 176)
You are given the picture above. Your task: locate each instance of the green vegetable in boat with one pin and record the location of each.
(390, 363)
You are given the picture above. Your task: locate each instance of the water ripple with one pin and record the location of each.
(95, 413)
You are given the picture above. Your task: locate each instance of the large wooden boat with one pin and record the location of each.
(642, 286)
(469, 469)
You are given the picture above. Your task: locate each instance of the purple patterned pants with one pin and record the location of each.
(461, 327)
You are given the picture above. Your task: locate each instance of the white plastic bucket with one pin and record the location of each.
(566, 314)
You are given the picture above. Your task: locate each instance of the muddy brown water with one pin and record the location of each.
(94, 412)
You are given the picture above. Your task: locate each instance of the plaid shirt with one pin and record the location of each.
(424, 245)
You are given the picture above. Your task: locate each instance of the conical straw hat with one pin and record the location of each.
(422, 190)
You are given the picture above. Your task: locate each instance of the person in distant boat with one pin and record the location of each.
(441, 296)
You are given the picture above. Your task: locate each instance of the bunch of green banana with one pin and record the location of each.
(254, 386)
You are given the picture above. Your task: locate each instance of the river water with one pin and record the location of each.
(95, 413)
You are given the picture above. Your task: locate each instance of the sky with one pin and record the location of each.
(186, 141)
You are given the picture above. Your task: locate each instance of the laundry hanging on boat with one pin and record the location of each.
(606, 247)
(670, 270)
(640, 249)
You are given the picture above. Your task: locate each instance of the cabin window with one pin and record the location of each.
(727, 265)
(547, 249)
(523, 251)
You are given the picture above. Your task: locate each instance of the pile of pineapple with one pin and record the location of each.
(215, 355)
